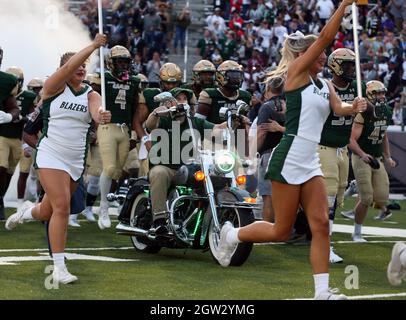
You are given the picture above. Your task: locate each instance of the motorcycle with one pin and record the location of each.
(204, 195)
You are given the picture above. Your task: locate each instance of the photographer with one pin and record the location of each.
(271, 120)
(164, 165)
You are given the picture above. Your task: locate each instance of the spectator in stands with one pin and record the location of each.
(152, 23)
(325, 9)
(228, 45)
(153, 67)
(236, 18)
(118, 32)
(137, 44)
(182, 22)
(256, 12)
(202, 47)
(216, 16)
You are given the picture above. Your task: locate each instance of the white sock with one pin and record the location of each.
(320, 283)
(331, 223)
(232, 236)
(20, 202)
(28, 214)
(59, 259)
(357, 228)
(73, 217)
(403, 258)
(105, 185)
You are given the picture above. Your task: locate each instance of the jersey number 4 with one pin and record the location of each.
(121, 99)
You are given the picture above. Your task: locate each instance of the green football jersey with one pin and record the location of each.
(219, 101)
(373, 132)
(121, 98)
(8, 82)
(170, 152)
(25, 102)
(337, 129)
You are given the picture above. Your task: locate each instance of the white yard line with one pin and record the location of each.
(369, 296)
(373, 231)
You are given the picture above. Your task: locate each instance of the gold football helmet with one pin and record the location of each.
(230, 75)
(336, 62)
(119, 62)
(35, 83)
(19, 74)
(374, 87)
(170, 72)
(144, 83)
(207, 67)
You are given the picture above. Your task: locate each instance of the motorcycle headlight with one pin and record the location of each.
(224, 161)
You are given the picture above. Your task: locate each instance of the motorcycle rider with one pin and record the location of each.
(162, 170)
(170, 76)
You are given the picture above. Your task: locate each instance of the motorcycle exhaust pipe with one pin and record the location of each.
(124, 229)
(113, 197)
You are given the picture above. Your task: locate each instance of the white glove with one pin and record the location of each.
(5, 117)
(27, 150)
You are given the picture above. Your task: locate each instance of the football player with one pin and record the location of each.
(370, 146)
(229, 78)
(10, 148)
(26, 104)
(204, 74)
(336, 134)
(114, 138)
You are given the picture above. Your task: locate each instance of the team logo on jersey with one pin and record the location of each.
(325, 95)
(120, 86)
(73, 106)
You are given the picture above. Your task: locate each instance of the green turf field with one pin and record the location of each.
(276, 271)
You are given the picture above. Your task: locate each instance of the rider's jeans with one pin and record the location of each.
(160, 178)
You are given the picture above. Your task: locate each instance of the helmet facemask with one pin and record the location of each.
(234, 79)
(121, 68)
(206, 79)
(380, 103)
(348, 70)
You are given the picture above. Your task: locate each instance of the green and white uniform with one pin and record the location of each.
(295, 159)
(63, 144)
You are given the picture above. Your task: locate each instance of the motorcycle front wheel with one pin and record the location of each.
(143, 221)
(239, 217)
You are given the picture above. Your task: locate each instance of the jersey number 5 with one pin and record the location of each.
(121, 99)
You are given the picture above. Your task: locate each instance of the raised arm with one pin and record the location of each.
(56, 82)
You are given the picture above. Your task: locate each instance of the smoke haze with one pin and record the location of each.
(35, 33)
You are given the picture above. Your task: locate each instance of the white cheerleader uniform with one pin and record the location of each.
(295, 159)
(64, 141)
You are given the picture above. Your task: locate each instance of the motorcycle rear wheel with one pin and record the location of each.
(141, 244)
